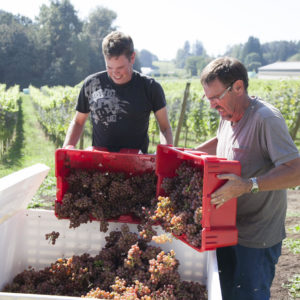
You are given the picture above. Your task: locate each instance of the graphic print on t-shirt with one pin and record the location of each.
(106, 107)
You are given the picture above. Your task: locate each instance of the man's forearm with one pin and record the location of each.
(281, 177)
(284, 176)
(166, 137)
(209, 146)
(73, 134)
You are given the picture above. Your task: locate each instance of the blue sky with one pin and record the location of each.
(162, 26)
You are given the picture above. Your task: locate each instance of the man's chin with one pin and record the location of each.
(225, 117)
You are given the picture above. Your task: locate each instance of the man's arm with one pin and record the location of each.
(166, 136)
(283, 176)
(75, 129)
(210, 146)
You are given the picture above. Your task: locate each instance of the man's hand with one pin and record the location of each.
(234, 187)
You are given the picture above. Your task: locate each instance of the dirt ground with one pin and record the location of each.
(289, 263)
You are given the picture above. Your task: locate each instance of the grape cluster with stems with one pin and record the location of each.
(52, 236)
(126, 268)
(105, 195)
(185, 195)
(180, 212)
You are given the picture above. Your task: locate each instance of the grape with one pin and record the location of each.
(105, 195)
(126, 268)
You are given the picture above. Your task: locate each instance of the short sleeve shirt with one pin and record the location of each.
(260, 141)
(120, 113)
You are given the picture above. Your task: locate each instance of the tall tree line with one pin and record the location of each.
(252, 54)
(57, 48)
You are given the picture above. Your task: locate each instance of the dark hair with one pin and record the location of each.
(225, 69)
(117, 43)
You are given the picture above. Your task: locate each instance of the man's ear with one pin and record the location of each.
(239, 87)
(132, 58)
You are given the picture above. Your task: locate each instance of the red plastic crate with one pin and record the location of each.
(127, 161)
(219, 225)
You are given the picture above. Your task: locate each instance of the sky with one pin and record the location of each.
(163, 26)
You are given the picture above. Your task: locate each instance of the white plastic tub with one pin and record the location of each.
(23, 244)
(18, 188)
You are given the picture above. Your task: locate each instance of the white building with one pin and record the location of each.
(285, 70)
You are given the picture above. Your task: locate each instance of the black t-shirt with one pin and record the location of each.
(120, 113)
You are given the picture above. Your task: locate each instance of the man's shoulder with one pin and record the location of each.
(266, 110)
(102, 75)
(147, 81)
(143, 77)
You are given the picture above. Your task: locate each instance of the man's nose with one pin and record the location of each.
(213, 103)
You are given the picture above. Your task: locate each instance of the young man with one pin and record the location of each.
(120, 101)
(254, 133)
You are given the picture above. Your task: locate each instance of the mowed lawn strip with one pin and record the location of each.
(31, 145)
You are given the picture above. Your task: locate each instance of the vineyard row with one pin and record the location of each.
(55, 109)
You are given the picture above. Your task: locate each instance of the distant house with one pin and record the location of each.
(147, 70)
(285, 70)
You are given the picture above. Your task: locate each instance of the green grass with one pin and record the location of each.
(291, 213)
(292, 244)
(31, 146)
(293, 287)
(295, 228)
(46, 192)
(168, 68)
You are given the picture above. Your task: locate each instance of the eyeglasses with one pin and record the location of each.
(218, 98)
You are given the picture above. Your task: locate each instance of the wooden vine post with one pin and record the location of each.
(182, 113)
(295, 129)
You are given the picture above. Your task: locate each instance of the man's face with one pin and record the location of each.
(120, 68)
(224, 100)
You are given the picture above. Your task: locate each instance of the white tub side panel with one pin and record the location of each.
(18, 188)
(213, 279)
(24, 236)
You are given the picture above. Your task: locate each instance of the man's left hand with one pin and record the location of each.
(234, 187)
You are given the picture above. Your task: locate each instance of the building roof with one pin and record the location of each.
(282, 66)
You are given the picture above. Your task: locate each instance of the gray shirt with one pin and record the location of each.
(260, 141)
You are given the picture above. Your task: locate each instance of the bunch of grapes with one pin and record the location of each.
(104, 196)
(52, 236)
(162, 268)
(180, 212)
(185, 196)
(126, 268)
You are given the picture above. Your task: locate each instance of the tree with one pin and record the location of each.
(295, 57)
(195, 64)
(18, 53)
(97, 26)
(252, 62)
(146, 58)
(187, 48)
(279, 51)
(182, 55)
(191, 65)
(235, 51)
(58, 28)
(198, 49)
(252, 46)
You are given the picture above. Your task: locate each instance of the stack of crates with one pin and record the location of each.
(219, 225)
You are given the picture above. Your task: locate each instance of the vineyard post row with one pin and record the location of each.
(192, 124)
